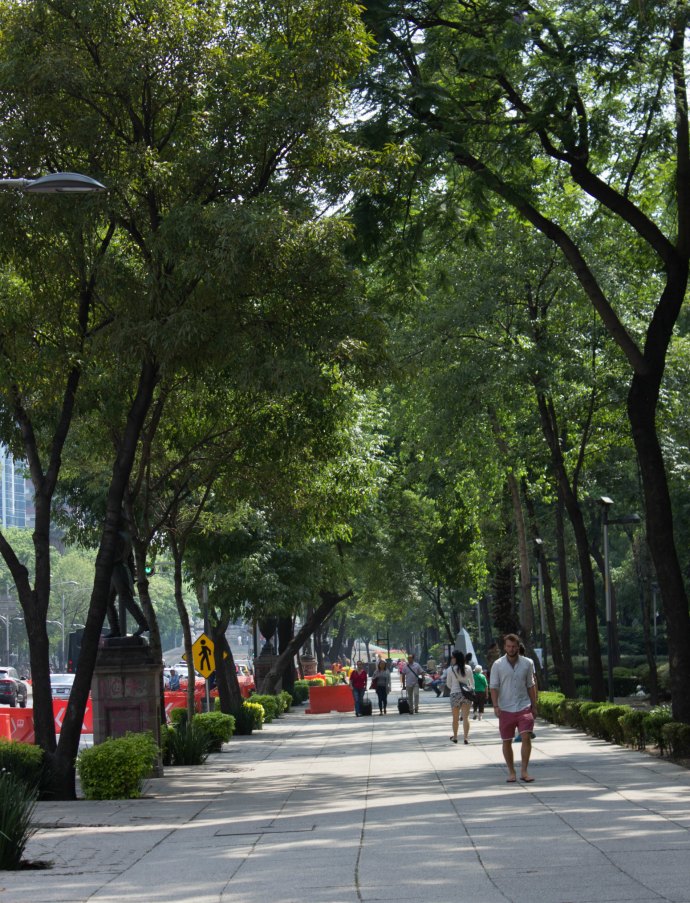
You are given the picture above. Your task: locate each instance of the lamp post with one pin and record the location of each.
(539, 543)
(54, 183)
(6, 619)
(606, 503)
(64, 583)
(655, 592)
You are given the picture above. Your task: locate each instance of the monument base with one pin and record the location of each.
(126, 691)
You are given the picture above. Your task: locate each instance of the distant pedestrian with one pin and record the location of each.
(458, 675)
(174, 681)
(411, 673)
(381, 682)
(480, 688)
(358, 682)
(514, 698)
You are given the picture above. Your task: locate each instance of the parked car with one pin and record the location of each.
(61, 685)
(13, 690)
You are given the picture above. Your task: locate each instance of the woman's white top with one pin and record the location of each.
(454, 678)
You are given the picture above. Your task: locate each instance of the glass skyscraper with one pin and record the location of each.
(16, 505)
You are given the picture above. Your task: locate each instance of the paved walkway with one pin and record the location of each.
(334, 809)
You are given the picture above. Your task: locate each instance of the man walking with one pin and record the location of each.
(410, 673)
(514, 698)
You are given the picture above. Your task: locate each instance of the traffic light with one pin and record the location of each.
(149, 569)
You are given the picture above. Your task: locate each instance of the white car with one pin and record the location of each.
(61, 685)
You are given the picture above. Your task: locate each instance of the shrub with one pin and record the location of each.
(286, 700)
(582, 714)
(218, 726)
(654, 721)
(609, 716)
(115, 769)
(549, 704)
(244, 720)
(270, 706)
(625, 681)
(188, 743)
(178, 715)
(17, 802)
(632, 728)
(316, 682)
(570, 712)
(257, 712)
(676, 738)
(23, 760)
(300, 692)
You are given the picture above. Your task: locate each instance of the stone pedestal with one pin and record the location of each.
(308, 665)
(126, 690)
(262, 665)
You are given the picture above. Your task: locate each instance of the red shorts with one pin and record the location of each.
(509, 722)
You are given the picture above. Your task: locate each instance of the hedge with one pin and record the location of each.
(619, 723)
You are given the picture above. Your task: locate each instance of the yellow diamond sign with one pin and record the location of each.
(203, 655)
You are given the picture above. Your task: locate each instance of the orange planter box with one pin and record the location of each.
(330, 699)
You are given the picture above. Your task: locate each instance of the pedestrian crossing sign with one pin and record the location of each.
(203, 654)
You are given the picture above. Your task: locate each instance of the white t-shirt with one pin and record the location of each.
(512, 683)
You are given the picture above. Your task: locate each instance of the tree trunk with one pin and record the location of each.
(572, 506)
(61, 763)
(339, 641)
(642, 401)
(317, 616)
(286, 626)
(229, 691)
(568, 685)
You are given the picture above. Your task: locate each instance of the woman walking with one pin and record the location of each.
(459, 674)
(381, 682)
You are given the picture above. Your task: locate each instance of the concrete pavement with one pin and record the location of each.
(338, 809)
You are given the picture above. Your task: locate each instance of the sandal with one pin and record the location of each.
(453, 739)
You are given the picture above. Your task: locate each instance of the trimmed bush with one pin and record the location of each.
(218, 726)
(676, 738)
(270, 705)
(316, 682)
(609, 716)
(549, 704)
(300, 692)
(25, 761)
(257, 712)
(17, 802)
(115, 770)
(653, 724)
(286, 700)
(244, 720)
(632, 728)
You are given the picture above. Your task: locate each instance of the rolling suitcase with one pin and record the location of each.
(365, 706)
(403, 706)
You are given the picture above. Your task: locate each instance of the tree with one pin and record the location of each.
(510, 102)
(183, 111)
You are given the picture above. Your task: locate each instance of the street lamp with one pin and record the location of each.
(64, 583)
(55, 183)
(606, 503)
(539, 543)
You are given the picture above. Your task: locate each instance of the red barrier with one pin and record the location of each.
(177, 699)
(17, 724)
(59, 709)
(330, 699)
